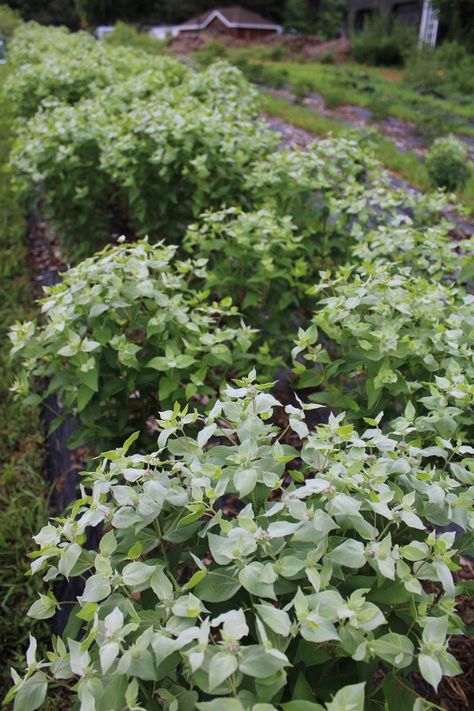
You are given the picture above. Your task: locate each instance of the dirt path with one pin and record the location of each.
(403, 134)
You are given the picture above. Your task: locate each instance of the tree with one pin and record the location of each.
(457, 20)
(47, 12)
(296, 15)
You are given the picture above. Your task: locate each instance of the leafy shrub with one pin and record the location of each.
(431, 124)
(447, 163)
(445, 71)
(428, 250)
(379, 106)
(385, 333)
(260, 73)
(126, 329)
(258, 260)
(333, 190)
(128, 36)
(52, 64)
(383, 41)
(10, 20)
(278, 53)
(237, 573)
(210, 53)
(326, 58)
(330, 19)
(301, 89)
(138, 165)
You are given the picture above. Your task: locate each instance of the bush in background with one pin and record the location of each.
(128, 36)
(9, 21)
(447, 163)
(383, 41)
(444, 71)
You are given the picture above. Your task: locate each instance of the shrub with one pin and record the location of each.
(447, 163)
(428, 250)
(330, 19)
(210, 53)
(385, 333)
(383, 41)
(326, 58)
(301, 89)
(85, 69)
(445, 71)
(128, 36)
(237, 573)
(10, 20)
(332, 191)
(124, 330)
(54, 65)
(136, 165)
(258, 260)
(379, 106)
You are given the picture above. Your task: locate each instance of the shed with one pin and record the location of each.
(235, 21)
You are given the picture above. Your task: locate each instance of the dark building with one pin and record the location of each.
(235, 21)
(409, 11)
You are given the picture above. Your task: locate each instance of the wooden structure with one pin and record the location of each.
(235, 21)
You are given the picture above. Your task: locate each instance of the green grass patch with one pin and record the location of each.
(23, 507)
(300, 116)
(357, 84)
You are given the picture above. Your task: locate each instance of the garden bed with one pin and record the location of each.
(228, 549)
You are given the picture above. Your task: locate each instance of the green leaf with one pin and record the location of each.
(258, 579)
(195, 579)
(221, 666)
(349, 698)
(42, 609)
(396, 649)
(245, 481)
(430, 669)
(257, 662)
(97, 588)
(397, 695)
(220, 705)
(84, 396)
(32, 693)
(218, 585)
(277, 620)
(137, 574)
(350, 554)
(160, 585)
(88, 611)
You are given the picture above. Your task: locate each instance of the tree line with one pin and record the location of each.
(300, 14)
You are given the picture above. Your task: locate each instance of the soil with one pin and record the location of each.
(62, 465)
(301, 47)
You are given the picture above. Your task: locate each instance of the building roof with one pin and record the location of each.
(232, 17)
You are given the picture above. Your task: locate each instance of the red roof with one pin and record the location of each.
(233, 16)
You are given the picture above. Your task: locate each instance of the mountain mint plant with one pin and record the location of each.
(125, 329)
(238, 572)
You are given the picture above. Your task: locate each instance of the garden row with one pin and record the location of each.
(23, 505)
(248, 562)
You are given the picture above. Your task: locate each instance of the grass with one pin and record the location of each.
(23, 506)
(357, 84)
(300, 116)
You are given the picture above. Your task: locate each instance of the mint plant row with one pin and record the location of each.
(249, 561)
